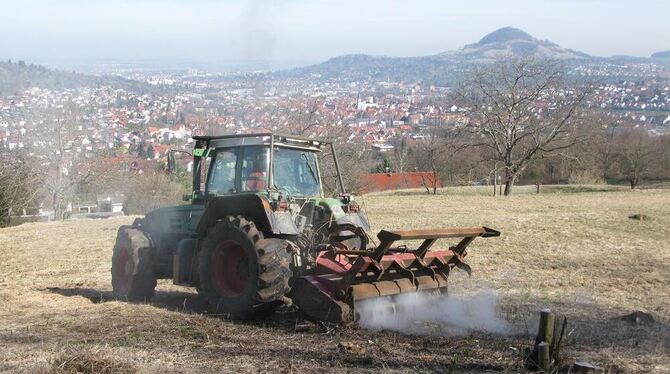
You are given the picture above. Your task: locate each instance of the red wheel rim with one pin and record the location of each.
(230, 269)
(122, 268)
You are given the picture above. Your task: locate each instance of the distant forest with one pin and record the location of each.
(16, 77)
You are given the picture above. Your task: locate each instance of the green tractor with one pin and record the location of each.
(259, 233)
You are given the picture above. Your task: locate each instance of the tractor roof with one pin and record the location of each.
(260, 138)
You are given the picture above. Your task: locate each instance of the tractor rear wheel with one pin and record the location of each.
(133, 276)
(241, 273)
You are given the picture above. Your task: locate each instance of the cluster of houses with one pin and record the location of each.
(133, 128)
(644, 103)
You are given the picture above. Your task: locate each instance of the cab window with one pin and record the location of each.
(222, 174)
(295, 172)
(253, 168)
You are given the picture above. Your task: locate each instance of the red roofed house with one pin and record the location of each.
(153, 130)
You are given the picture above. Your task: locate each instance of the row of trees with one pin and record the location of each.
(613, 154)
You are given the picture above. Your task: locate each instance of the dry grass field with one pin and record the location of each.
(573, 250)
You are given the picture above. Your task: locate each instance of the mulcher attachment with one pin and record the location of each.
(345, 276)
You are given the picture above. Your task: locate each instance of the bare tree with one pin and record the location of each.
(521, 110)
(19, 186)
(430, 154)
(151, 190)
(401, 155)
(354, 161)
(434, 154)
(603, 144)
(58, 174)
(64, 168)
(662, 168)
(305, 119)
(635, 154)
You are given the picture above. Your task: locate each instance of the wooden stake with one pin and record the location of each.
(556, 351)
(543, 359)
(545, 332)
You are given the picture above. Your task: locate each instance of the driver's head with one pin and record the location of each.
(258, 163)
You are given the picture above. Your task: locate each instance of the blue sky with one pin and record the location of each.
(314, 30)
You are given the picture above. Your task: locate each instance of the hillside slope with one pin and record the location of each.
(577, 253)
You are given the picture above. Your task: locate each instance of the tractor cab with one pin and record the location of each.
(235, 168)
(241, 164)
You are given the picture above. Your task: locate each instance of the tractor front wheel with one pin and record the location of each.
(133, 276)
(241, 273)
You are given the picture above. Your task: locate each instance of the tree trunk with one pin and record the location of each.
(5, 217)
(495, 177)
(54, 204)
(58, 207)
(434, 182)
(508, 187)
(509, 183)
(425, 184)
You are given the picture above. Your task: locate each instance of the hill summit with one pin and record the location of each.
(510, 42)
(504, 35)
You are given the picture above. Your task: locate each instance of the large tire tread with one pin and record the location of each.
(141, 281)
(274, 272)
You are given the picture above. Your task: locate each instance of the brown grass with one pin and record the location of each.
(577, 253)
(88, 360)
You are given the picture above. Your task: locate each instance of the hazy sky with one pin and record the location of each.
(314, 30)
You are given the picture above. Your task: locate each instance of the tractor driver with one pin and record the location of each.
(255, 175)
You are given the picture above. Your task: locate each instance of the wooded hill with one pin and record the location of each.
(16, 77)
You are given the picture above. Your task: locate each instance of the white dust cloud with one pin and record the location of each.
(433, 314)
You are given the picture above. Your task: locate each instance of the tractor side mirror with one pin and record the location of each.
(172, 162)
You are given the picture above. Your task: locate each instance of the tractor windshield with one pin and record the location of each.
(295, 172)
